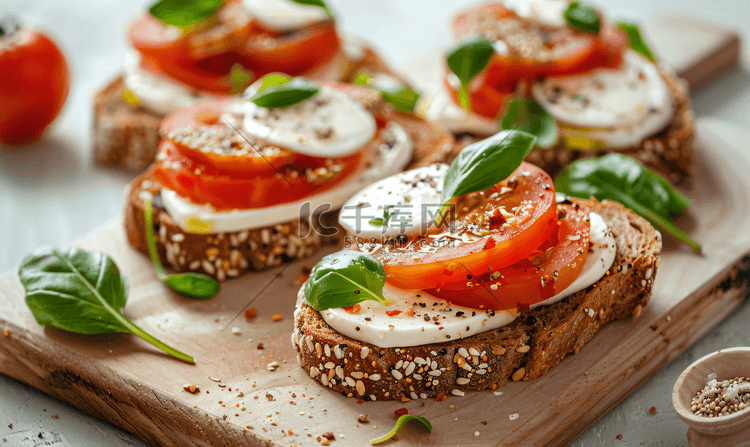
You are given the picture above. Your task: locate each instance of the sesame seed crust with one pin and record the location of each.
(220, 255)
(522, 350)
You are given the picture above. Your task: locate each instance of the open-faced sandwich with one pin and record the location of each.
(184, 52)
(563, 61)
(512, 279)
(238, 181)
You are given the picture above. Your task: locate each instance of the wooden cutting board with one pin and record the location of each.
(127, 382)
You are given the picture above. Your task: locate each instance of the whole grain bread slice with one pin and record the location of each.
(223, 255)
(127, 136)
(670, 152)
(523, 350)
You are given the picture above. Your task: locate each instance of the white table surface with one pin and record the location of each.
(51, 193)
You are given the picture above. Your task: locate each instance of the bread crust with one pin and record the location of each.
(522, 350)
(670, 152)
(127, 136)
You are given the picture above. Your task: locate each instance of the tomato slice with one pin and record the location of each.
(542, 274)
(209, 113)
(294, 53)
(433, 261)
(205, 184)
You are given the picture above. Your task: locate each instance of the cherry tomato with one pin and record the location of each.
(542, 274)
(205, 184)
(34, 83)
(529, 191)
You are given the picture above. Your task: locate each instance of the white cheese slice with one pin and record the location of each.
(618, 107)
(432, 323)
(548, 13)
(330, 124)
(189, 215)
(284, 15)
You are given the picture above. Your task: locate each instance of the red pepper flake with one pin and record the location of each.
(6, 332)
(400, 412)
(329, 436)
(490, 244)
(250, 313)
(360, 401)
(653, 410)
(392, 313)
(441, 397)
(353, 309)
(260, 346)
(305, 273)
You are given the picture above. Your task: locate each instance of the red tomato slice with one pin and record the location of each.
(209, 113)
(533, 194)
(294, 53)
(205, 184)
(542, 274)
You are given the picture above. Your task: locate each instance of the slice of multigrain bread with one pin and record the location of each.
(670, 152)
(223, 255)
(127, 136)
(522, 350)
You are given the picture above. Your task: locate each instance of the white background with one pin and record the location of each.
(50, 193)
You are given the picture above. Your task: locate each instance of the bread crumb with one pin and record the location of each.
(618, 437)
(6, 332)
(513, 416)
(250, 313)
(653, 410)
(276, 317)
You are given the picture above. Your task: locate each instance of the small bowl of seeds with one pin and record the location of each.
(712, 396)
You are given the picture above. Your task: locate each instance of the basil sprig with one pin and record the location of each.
(184, 13)
(401, 96)
(400, 423)
(80, 292)
(343, 279)
(582, 16)
(529, 116)
(278, 91)
(466, 61)
(635, 39)
(484, 164)
(383, 221)
(318, 3)
(623, 179)
(194, 285)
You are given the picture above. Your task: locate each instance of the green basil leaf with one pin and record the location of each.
(529, 116)
(382, 221)
(401, 96)
(318, 3)
(466, 60)
(623, 179)
(276, 94)
(486, 163)
(239, 78)
(582, 16)
(80, 292)
(343, 279)
(184, 13)
(194, 285)
(400, 423)
(635, 39)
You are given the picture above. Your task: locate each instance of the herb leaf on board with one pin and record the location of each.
(529, 116)
(343, 279)
(400, 423)
(194, 285)
(80, 292)
(466, 60)
(623, 179)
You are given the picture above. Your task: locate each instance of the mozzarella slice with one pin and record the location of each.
(158, 94)
(434, 321)
(413, 198)
(330, 124)
(284, 15)
(618, 107)
(204, 218)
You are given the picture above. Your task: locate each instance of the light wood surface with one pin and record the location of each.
(729, 431)
(125, 381)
